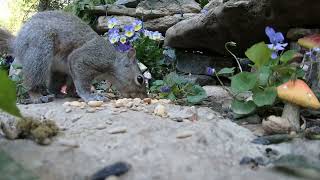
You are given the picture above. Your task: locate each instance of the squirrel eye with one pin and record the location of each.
(140, 79)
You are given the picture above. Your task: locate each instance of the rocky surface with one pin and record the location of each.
(161, 24)
(186, 143)
(241, 21)
(128, 3)
(155, 8)
(196, 63)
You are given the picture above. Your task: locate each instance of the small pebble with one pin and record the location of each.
(109, 122)
(153, 101)
(118, 104)
(117, 130)
(68, 110)
(101, 127)
(164, 101)
(210, 116)
(184, 134)
(99, 108)
(114, 113)
(69, 143)
(90, 110)
(66, 104)
(76, 118)
(129, 104)
(49, 114)
(112, 178)
(147, 100)
(160, 110)
(123, 110)
(95, 103)
(75, 104)
(137, 101)
(111, 95)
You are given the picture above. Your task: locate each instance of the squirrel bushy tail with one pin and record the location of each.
(6, 40)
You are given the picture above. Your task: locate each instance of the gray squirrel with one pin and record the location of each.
(55, 48)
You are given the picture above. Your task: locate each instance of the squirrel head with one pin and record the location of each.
(129, 79)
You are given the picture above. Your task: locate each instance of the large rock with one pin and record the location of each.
(196, 63)
(128, 3)
(102, 25)
(156, 8)
(241, 21)
(161, 24)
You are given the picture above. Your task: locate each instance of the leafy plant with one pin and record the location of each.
(150, 53)
(8, 95)
(175, 87)
(203, 3)
(271, 68)
(78, 8)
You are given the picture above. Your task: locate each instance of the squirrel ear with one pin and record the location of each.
(132, 54)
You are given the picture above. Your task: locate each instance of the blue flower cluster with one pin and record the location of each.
(122, 38)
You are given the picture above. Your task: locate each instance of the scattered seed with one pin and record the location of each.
(68, 110)
(117, 130)
(101, 127)
(95, 103)
(184, 134)
(69, 143)
(90, 110)
(75, 104)
(76, 118)
(147, 100)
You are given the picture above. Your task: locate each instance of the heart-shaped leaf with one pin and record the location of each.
(266, 97)
(287, 56)
(243, 82)
(242, 107)
(263, 75)
(259, 53)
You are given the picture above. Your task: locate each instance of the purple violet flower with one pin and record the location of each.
(210, 71)
(113, 31)
(165, 89)
(313, 53)
(123, 47)
(276, 39)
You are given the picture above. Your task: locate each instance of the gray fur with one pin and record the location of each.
(54, 47)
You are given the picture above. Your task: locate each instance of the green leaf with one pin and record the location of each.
(263, 75)
(287, 56)
(158, 83)
(226, 71)
(8, 95)
(200, 94)
(171, 96)
(266, 97)
(243, 82)
(241, 107)
(259, 54)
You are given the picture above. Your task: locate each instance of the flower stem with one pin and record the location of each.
(235, 57)
(223, 86)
